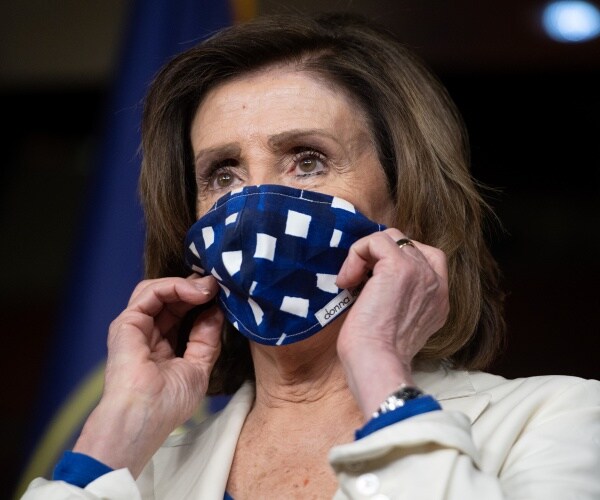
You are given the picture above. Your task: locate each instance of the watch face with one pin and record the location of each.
(408, 393)
(397, 399)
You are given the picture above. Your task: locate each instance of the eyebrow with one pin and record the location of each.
(231, 149)
(277, 140)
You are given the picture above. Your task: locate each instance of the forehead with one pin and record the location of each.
(273, 100)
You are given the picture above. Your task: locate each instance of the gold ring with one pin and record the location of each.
(402, 242)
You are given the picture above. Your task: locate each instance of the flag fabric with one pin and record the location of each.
(107, 262)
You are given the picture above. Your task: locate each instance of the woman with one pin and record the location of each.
(318, 175)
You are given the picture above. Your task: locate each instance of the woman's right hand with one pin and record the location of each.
(148, 391)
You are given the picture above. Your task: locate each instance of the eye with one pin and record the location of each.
(222, 179)
(308, 164)
(308, 161)
(222, 175)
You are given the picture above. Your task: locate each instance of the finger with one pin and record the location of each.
(365, 253)
(144, 284)
(131, 334)
(169, 318)
(193, 276)
(179, 294)
(165, 323)
(435, 257)
(130, 321)
(204, 343)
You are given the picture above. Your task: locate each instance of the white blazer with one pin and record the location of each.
(530, 438)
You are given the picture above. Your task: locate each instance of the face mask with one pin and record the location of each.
(276, 251)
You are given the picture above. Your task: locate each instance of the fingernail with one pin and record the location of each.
(202, 288)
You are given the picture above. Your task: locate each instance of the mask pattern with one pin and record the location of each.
(275, 252)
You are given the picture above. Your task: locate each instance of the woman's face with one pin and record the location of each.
(283, 126)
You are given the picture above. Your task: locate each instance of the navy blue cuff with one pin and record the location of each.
(79, 469)
(411, 408)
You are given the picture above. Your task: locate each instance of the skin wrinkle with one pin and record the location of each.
(260, 117)
(435, 195)
(338, 154)
(174, 385)
(386, 110)
(298, 381)
(265, 119)
(243, 116)
(275, 121)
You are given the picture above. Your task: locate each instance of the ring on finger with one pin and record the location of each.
(402, 242)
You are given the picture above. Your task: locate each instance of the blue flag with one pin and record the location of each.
(108, 260)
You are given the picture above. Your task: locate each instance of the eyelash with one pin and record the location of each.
(303, 152)
(208, 178)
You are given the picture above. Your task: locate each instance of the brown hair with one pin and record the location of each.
(422, 146)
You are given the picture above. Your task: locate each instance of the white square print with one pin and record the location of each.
(265, 246)
(297, 224)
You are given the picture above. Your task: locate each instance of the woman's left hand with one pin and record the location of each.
(403, 303)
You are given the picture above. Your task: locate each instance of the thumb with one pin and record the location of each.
(204, 344)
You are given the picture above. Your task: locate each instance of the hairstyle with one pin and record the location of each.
(421, 143)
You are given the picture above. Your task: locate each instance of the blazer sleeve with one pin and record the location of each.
(115, 485)
(545, 447)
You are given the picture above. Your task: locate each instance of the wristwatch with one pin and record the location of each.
(398, 399)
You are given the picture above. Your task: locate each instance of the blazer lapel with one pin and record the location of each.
(453, 389)
(197, 464)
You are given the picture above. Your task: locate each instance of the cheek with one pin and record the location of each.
(374, 199)
(202, 207)
(386, 213)
(381, 208)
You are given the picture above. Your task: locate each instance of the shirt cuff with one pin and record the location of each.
(411, 408)
(79, 469)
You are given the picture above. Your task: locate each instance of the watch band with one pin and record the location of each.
(398, 399)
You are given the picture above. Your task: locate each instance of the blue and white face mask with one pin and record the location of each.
(276, 251)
